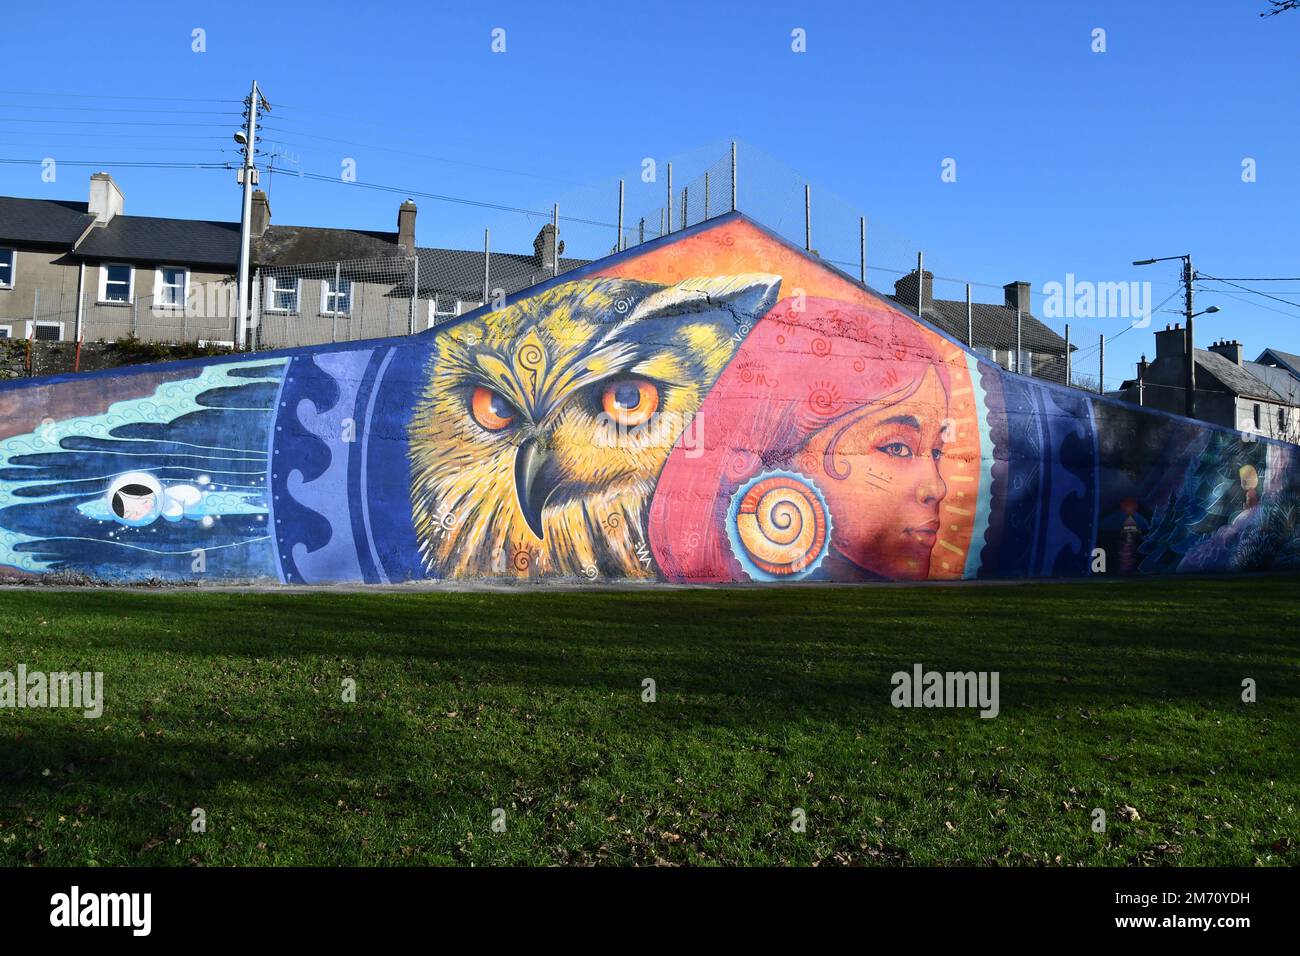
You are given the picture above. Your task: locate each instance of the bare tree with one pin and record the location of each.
(1280, 6)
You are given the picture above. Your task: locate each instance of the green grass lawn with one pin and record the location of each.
(1123, 694)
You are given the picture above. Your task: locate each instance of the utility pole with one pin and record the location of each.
(248, 179)
(1189, 337)
(1189, 340)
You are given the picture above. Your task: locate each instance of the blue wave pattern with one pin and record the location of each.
(171, 485)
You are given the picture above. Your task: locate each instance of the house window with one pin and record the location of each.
(116, 283)
(1281, 420)
(6, 331)
(170, 286)
(7, 261)
(1257, 417)
(336, 299)
(46, 331)
(283, 294)
(442, 310)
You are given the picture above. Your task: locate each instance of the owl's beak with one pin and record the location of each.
(536, 478)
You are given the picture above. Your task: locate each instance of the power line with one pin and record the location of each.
(1253, 305)
(1294, 305)
(71, 122)
(412, 153)
(132, 163)
(437, 196)
(121, 109)
(109, 96)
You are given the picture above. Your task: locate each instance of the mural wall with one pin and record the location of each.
(713, 407)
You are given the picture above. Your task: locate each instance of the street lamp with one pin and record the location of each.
(1189, 340)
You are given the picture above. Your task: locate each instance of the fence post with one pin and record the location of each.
(415, 290)
(487, 263)
(618, 246)
(862, 249)
(807, 217)
(920, 281)
(334, 310)
(1017, 340)
(970, 320)
(1068, 369)
(669, 208)
(733, 175)
(1101, 365)
(555, 221)
(257, 309)
(81, 295)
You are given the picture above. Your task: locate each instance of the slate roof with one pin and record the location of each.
(1278, 379)
(42, 221)
(179, 241)
(1286, 358)
(994, 326)
(296, 245)
(1234, 377)
(459, 272)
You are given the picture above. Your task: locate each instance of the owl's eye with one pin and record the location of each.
(630, 401)
(491, 410)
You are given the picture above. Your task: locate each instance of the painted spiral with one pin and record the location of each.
(779, 526)
(530, 355)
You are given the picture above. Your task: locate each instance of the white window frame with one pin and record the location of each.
(326, 295)
(47, 323)
(13, 268)
(436, 315)
(7, 329)
(103, 298)
(159, 284)
(272, 289)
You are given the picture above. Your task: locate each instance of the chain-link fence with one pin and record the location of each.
(1032, 331)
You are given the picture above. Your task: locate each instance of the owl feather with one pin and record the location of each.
(542, 427)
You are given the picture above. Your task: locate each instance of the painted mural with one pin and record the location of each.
(717, 406)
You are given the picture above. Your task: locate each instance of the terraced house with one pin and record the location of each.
(75, 271)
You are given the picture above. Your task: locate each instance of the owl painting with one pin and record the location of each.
(542, 427)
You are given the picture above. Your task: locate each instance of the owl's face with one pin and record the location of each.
(543, 426)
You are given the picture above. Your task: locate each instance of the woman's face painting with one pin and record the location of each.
(880, 475)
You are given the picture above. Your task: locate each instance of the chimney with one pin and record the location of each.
(1017, 296)
(106, 200)
(1143, 365)
(1169, 343)
(261, 217)
(406, 227)
(1229, 350)
(544, 247)
(905, 290)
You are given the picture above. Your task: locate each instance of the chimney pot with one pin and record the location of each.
(261, 217)
(106, 199)
(1170, 343)
(544, 251)
(406, 227)
(1017, 296)
(905, 290)
(1229, 350)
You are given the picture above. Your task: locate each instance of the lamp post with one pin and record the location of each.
(1189, 339)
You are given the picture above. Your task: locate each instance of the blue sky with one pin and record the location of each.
(1068, 161)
